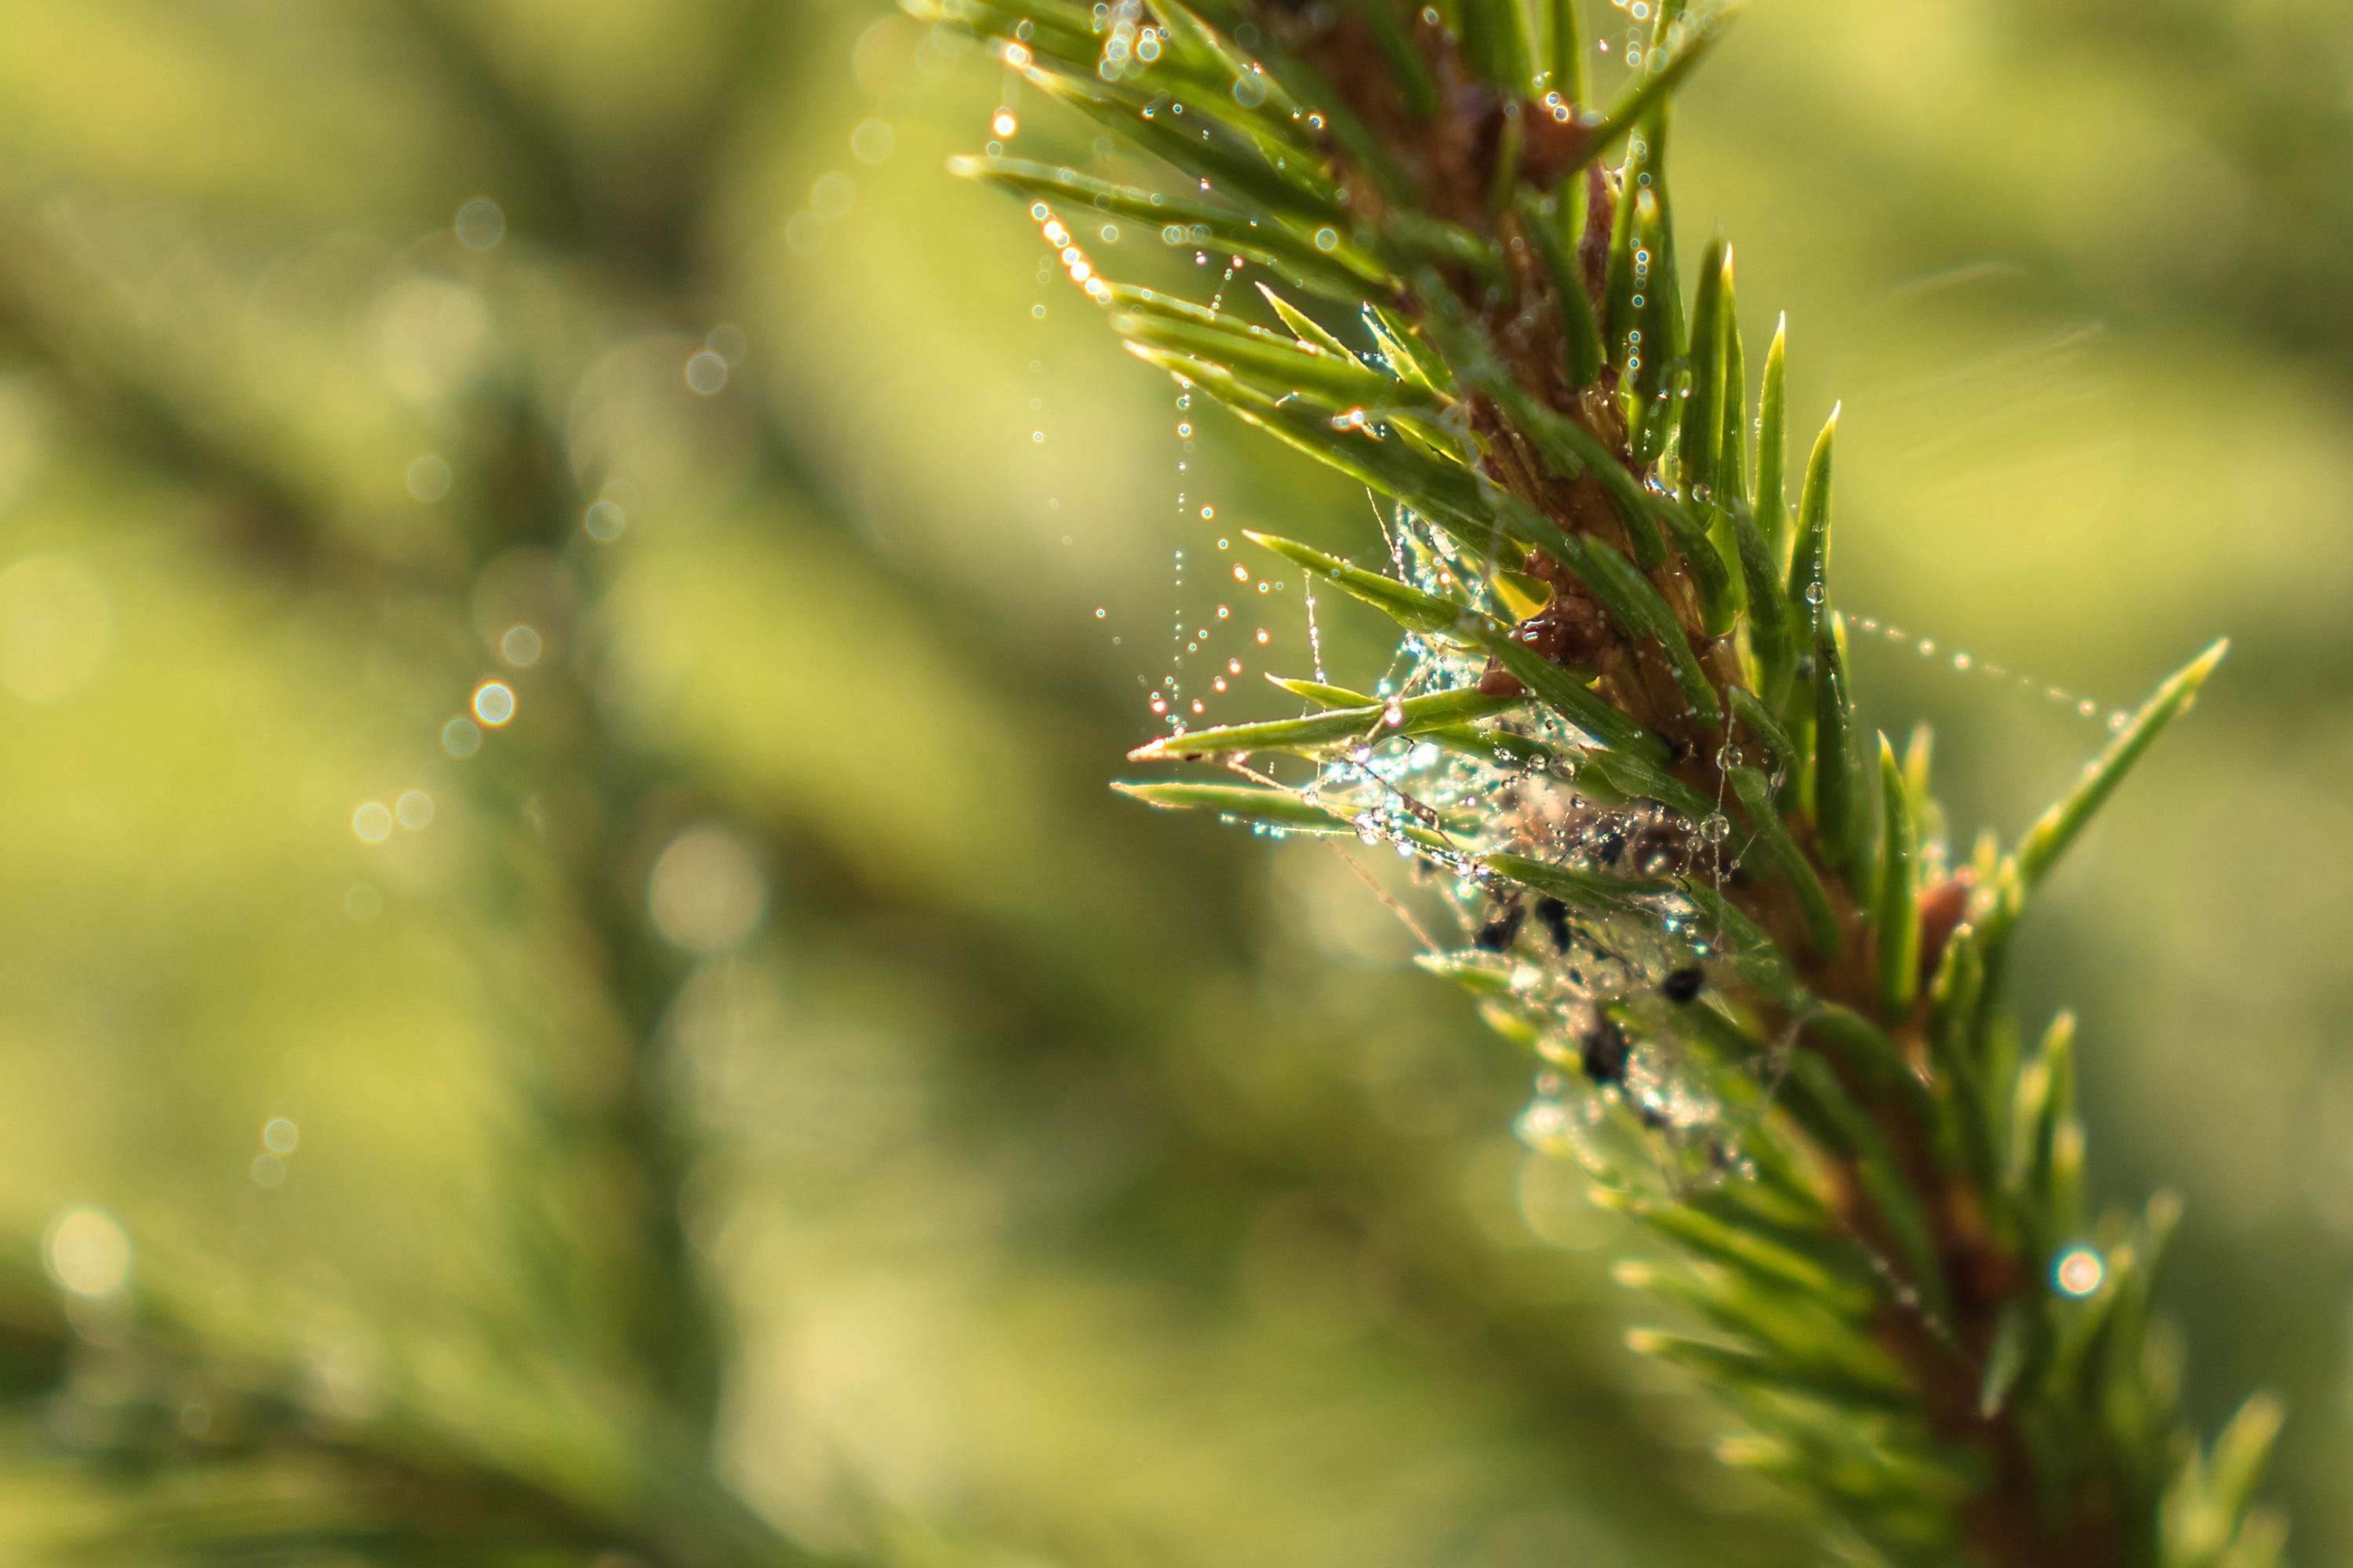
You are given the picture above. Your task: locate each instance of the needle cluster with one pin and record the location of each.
(1764, 989)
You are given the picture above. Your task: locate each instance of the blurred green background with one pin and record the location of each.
(1069, 1178)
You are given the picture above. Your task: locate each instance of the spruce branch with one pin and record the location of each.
(457, 1477)
(639, 1387)
(297, 1454)
(637, 1326)
(171, 402)
(1768, 1004)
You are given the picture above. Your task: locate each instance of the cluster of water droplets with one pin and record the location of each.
(1649, 1074)
(1065, 243)
(1208, 648)
(1636, 46)
(1174, 698)
(1124, 40)
(1964, 663)
(1607, 992)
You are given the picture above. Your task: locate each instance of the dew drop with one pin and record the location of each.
(429, 477)
(603, 521)
(88, 1252)
(494, 702)
(479, 223)
(2078, 1271)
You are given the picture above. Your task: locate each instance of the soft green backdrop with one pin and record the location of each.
(1094, 1181)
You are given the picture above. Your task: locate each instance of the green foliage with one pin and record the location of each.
(1914, 1319)
(1048, 1169)
(610, 1239)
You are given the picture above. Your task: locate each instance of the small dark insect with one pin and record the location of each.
(1503, 926)
(1552, 915)
(1682, 985)
(1602, 1052)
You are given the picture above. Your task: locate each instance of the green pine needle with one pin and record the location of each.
(1896, 926)
(2057, 829)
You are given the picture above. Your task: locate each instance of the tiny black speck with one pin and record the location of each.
(1682, 985)
(1501, 927)
(1554, 914)
(1603, 1053)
